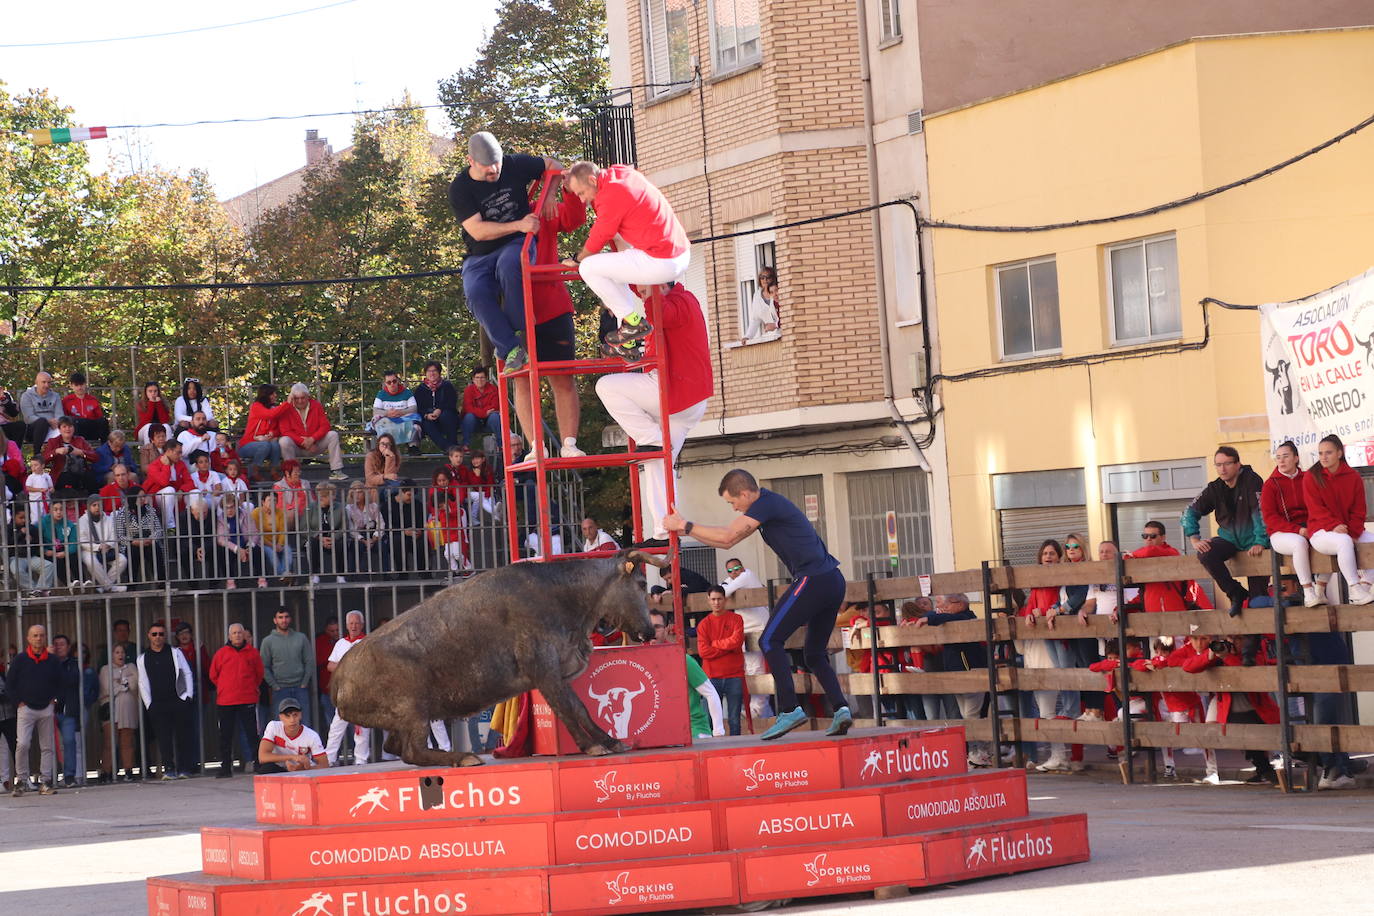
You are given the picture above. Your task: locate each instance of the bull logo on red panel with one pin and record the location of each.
(375, 797)
(314, 905)
(619, 687)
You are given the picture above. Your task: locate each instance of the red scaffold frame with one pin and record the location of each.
(535, 370)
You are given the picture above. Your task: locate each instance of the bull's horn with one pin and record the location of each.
(639, 556)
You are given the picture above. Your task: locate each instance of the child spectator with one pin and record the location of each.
(38, 486)
(224, 452)
(447, 527)
(478, 486)
(150, 410)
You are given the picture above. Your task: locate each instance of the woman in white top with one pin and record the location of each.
(192, 399)
(763, 307)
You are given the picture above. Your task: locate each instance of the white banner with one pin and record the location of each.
(1318, 356)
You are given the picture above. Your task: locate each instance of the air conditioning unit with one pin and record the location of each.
(913, 122)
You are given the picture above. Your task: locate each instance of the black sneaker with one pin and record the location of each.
(413, 450)
(629, 331)
(650, 542)
(631, 352)
(1263, 776)
(1237, 605)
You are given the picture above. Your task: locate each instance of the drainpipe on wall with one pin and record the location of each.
(871, 151)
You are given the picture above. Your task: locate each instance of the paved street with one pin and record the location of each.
(1243, 849)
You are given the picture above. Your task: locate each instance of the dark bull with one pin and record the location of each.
(523, 627)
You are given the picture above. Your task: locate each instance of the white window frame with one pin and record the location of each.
(651, 27)
(756, 250)
(740, 62)
(890, 17)
(997, 293)
(1140, 243)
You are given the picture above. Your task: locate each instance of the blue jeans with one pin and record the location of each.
(1331, 709)
(66, 726)
(492, 286)
(301, 695)
(731, 690)
(470, 424)
(278, 559)
(443, 431)
(268, 452)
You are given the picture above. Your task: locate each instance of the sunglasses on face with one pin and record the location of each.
(734, 569)
(1149, 536)
(1073, 546)
(157, 635)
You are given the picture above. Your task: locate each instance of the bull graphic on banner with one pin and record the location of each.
(1318, 358)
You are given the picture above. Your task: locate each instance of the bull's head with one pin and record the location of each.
(614, 707)
(624, 605)
(1282, 383)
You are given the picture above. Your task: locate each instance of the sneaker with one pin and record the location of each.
(230, 583)
(339, 580)
(46, 789)
(633, 326)
(338, 475)
(570, 449)
(262, 582)
(119, 588)
(979, 759)
(630, 352)
(1237, 605)
(182, 776)
(1054, 763)
(18, 790)
(1361, 594)
(1170, 773)
(841, 723)
(314, 580)
(1091, 715)
(1310, 598)
(1336, 782)
(167, 777)
(784, 724)
(1212, 779)
(516, 360)
(413, 450)
(1262, 777)
(529, 456)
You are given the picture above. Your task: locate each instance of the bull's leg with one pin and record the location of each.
(593, 741)
(412, 746)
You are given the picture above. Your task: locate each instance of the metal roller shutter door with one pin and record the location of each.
(1023, 530)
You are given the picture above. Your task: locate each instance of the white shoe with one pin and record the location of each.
(1054, 763)
(979, 759)
(529, 456)
(119, 588)
(1091, 715)
(1360, 594)
(1310, 598)
(1336, 782)
(570, 449)
(314, 580)
(1212, 779)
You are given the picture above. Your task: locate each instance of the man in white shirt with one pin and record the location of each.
(99, 548)
(287, 745)
(362, 737)
(594, 540)
(197, 438)
(755, 619)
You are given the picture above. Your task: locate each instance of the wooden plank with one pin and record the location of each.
(1355, 739)
(1330, 678)
(940, 682)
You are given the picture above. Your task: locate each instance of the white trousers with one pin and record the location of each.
(1342, 547)
(362, 741)
(631, 398)
(167, 499)
(1294, 545)
(104, 573)
(610, 274)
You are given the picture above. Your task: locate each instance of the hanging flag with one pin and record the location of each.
(50, 135)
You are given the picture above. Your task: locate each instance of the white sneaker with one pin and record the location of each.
(1054, 763)
(1360, 594)
(570, 449)
(979, 759)
(119, 588)
(1310, 598)
(529, 456)
(1212, 779)
(314, 580)
(1336, 782)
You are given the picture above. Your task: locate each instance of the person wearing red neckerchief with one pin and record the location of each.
(33, 682)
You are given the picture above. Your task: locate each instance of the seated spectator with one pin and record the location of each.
(720, 642)
(447, 530)
(197, 438)
(1233, 501)
(305, 429)
(150, 410)
(405, 521)
(118, 710)
(236, 671)
(293, 493)
(99, 548)
(119, 482)
(477, 486)
(481, 406)
(382, 465)
(223, 453)
(204, 480)
(763, 308)
(42, 408)
(12, 465)
(11, 420)
(28, 562)
(58, 533)
(287, 745)
(365, 529)
(237, 542)
(326, 530)
(192, 399)
(70, 459)
(394, 412)
(274, 532)
(151, 450)
(235, 482)
(594, 540)
(442, 482)
(1334, 494)
(85, 409)
(437, 401)
(38, 486)
(142, 537)
(196, 530)
(115, 450)
(166, 479)
(260, 445)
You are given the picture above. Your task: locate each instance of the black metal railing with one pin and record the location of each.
(608, 135)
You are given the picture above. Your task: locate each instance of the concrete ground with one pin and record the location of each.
(1228, 849)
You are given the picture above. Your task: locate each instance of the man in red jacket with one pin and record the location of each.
(631, 398)
(236, 671)
(720, 643)
(85, 409)
(305, 429)
(628, 206)
(165, 478)
(61, 452)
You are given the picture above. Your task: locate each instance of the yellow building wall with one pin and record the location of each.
(1124, 137)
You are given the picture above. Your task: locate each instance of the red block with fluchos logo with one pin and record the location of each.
(642, 833)
(830, 868)
(900, 756)
(830, 817)
(644, 887)
(1000, 849)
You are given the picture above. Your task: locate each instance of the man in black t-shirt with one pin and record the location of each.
(491, 200)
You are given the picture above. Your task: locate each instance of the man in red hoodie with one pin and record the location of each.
(305, 429)
(85, 409)
(165, 478)
(720, 643)
(1159, 596)
(631, 398)
(236, 671)
(628, 206)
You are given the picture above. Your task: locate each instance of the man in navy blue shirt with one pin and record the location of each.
(812, 600)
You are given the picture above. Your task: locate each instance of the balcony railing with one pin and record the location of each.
(608, 135)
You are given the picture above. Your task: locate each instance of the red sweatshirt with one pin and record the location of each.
(1039, 601)
(87, 407)
(469, 479)
(1161, 596)
(1178, 701)
(153, 412)
(1283, 504)
(316, 423)
(159, 475)
(262, 421)
(552, 299)
(236, 674)
(1335, 499)
(220, 458)
(690, 379)
(481, 402)
(629, 206)
(1262, 702)
(57, 462)
(720, 642)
